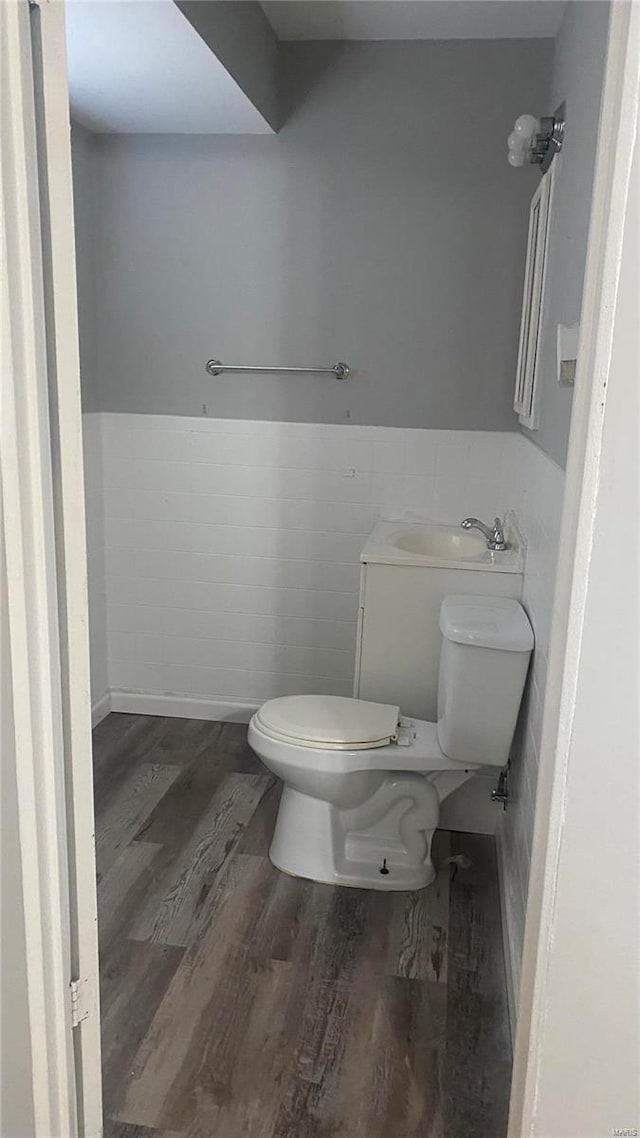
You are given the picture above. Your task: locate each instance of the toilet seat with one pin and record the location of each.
(325, 722)
(415, 749)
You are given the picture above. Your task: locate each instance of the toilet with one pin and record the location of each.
(363, 783)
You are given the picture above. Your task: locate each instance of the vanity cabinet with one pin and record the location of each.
(398, 650)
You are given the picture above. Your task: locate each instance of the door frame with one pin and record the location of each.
(31, 595)
(63, 370)
(42, 492)
(612, 206)
(39, 575)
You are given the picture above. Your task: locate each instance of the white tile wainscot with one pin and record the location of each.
(232, 547)
(537, 484)
(94, 511)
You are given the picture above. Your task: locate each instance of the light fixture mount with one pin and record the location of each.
(548, 142)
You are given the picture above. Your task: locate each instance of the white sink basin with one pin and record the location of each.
(444, 546)
(442, 542)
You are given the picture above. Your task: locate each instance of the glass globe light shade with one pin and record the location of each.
(526, 126)
(516, 157)
(516, 141)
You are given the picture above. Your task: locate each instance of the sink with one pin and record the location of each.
(440, 546)
(442, 542)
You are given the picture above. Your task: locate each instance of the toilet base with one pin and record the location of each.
(391, 831)
(368, 877)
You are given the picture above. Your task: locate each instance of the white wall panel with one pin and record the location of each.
(537, 485)
(230, 510)
(243, 541)
(249, 627)
(206, 652)
(211, 596)
(232, 547)
(180, 566)
(93, 479)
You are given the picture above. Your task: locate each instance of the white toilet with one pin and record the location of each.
(363, 784)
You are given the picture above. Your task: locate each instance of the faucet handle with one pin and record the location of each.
(498, 543)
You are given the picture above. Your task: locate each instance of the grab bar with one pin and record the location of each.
(339, 370)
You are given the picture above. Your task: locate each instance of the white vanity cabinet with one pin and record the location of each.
(398, 650)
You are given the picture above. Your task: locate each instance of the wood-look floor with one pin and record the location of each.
(238, 1002)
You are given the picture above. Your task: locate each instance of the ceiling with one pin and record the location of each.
(138, 66)
(413, 19)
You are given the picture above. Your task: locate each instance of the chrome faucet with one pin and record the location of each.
(495, 536)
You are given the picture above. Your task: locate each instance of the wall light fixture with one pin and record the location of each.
(536, 141)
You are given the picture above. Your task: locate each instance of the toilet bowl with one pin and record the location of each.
(363, 784)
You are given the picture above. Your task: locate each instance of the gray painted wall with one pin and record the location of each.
(239, 34)
(578, 74)
(382, 226)
(83, 145)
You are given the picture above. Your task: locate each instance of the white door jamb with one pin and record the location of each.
(610, 205)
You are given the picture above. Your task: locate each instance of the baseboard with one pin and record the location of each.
(181, 706)
(511, 953)
(100, 709)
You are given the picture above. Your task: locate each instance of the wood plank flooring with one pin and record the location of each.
(238, 1002)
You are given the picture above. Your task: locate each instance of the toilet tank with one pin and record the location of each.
(486, 647)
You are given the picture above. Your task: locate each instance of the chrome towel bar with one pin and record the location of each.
(339, 370)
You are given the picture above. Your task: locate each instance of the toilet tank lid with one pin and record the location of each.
(486, 622)
(329, 720)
